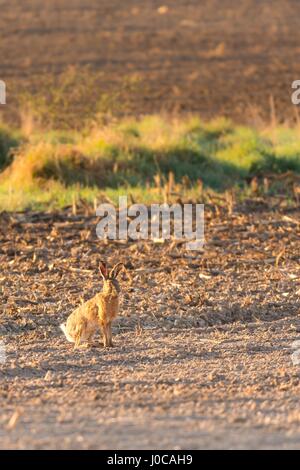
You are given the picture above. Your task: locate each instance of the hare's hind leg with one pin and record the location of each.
(78, 335)
(89, 338)
(77, 340)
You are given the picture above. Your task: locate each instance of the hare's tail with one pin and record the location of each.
(64, 330)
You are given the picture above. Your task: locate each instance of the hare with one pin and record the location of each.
(97, 312)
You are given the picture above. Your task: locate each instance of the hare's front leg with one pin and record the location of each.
(107, 336)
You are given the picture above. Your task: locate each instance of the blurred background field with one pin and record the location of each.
(213, 57)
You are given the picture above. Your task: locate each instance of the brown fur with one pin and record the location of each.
(100, 311)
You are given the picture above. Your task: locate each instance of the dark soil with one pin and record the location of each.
(216, 57)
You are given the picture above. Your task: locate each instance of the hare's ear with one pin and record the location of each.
(115, 270)
(103, 270)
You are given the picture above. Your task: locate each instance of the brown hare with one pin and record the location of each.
(97, 312)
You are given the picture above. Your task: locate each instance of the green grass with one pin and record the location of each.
(8, 141)
(138, 157)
